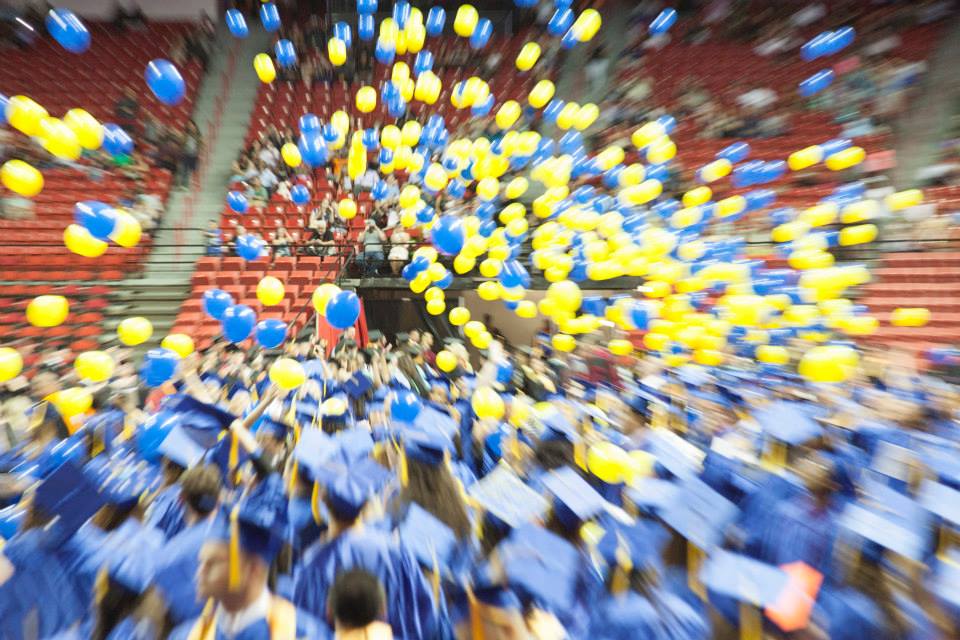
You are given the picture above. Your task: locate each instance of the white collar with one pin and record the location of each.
(231, 624)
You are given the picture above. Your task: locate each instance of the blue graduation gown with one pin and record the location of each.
(629, 615)
(411, 610)
(308, 628)
(304, 530)
(166, 512)
(176, 572)
(847, 614)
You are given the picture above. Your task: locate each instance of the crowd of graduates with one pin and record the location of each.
(373, 501)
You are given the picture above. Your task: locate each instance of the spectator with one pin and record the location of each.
(399, 249)
(190, 154)
(267, 178)
(372, 254)
(282, 242)
(213, 238)
(127, 109)
(268, 154)
(256, 194)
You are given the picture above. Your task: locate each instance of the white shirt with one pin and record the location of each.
(757, 98)
(231, 624)
(269, 155)
(267, 178)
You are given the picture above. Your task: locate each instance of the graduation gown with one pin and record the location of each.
(166, 512)
(629, 615)
(283, 622)
(176, 572)
(411, 609)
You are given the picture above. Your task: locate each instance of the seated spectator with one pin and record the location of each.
(268, 154)
(283, 191)
(372, 254)
(243, 169)
(267, 178)
(320, 241)
(256, 193)
(126, 110)
(213, 239)
(282, 242)
(399, 249)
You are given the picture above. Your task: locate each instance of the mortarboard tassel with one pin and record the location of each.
(294, 472)
(233, 459)
(101, 585)
(694, 561)
(476, 623)
(621, 576)
(205, 628)
(404, 474)
(315, 503)
(751, 625)
(435, 576)
(234, 560)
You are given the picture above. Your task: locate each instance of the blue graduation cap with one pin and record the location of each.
(180, 448)
(357, 385)
(354, 444)
(743, 579)
(699, 513)
(541, 567)
(133, 571)
(507, 499)
(429, 448)
(202, 421)
(68, 493)
(676, 455)
(787, 422)
(431, 541)
(652, 493)
(941, 500)
(122, 489)
(557, 427)
(574, 500)
(274, 428)
(902, 537)
(431, 419)
(349, 488)
(313, 450)
(694, 375)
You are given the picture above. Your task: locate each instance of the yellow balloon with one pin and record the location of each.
(287, 373)
(134, 331)
(473, 328)
(608, 462)
(436, 307)
(291, 154)
(270, 291)
(25, 115)
(487, 404)
(910, 317)
(409, 196)
(420, 283)
(586, 116)
(11, 364)
(859, 234)
(21, 178)
(586, 25)
(179, 343)
(347, 209)
(126, 233)
(563, 342)
(528, 56)
(47, 311)
(697, 196)
(72, 402)
(340, 121)
(849, 157)
(79, 241)
(516, 188)
(828, 363)
(488, 188)
(566, 295)
(647, 134)
(541, 94)
(336, 51)
(464, 263)
(904, 199)
(436, 271)
(526, 309)
(321, 296)
(805, 158)
(713, 171)
(88, 129)
(459, 316)
(263, 65)
(446, 361)
(488, 291)
(59, 139)
(433, 293)
(620, 347)
(661, 150)
(465, 21)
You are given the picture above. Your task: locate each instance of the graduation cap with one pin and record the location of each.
(787, 422)
(625, 547)
(941, 500)
(180, 448)
(678, 456)
(313, 449)
(427, 447)
(354, 444)
(68, 493)
(652, 493)
(345, 490)
(744, 579)
(541, 567)
(202, 421)
(432, 420)
(357, 385)
(507, 499)
(698, 513)
(275, 428)
(375, 335)
(402, 338)
(133, 571)
(901, 536)
(121, 488)
(431, 541)
(557, 427)
(574, 500)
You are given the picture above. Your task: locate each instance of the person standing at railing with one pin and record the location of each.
(214, 239)
(372, 255)
(399, 249)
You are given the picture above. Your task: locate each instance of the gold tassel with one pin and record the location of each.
(435, 577)
(476, 623)
(621, 576)
(100, 585)
(694, 560)
(315, 503)
(944, 539)
(234, 560)
(294, 472)
(205, 628)
(751, 625)
(776, 456)
(404, 474)
(234, 457)
(580, 454)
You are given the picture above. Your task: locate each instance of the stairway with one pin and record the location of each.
(165, 281)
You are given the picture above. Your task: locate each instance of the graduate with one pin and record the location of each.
(357, 606)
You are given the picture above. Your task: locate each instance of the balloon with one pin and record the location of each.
(459, 316)
(859, 234)
(845, 159)
(816, 83)
(366, 7)
(179, 343)
(270, 16)
(313, 149)
(487, 404)
(910, 317)
(366, 27)
(285, 52)
(47, 311)
(904, 199)
(72, 402)
(448, 235)
(21, 178)
(620, 347)
(663, 22)
(165, 81)
(299, 194)
(541, 94)
(264, 68)
(405, 406)
(270, 291)
(59, 139)
(79, 241)
(322, 295)
(563, 342)
(249, 247)
(238, 322)
(465, 20)
(135, 330)
(436, 307)
(116, 141)
(96, 217)
(67, 29)
(586, 25)
(560, 21)
(85, 127)
(271, 333)
(608, 462)
(828, 363)
(342, 31)
(236, 23)
(24, 114)
(436, 18)
(215, 302)
(366, 99)
(528, 56)
(481, 34)
(445, 360)
(337, 51)
(11, 364)
(343, 309)
(159, 365)
(347, 209)
(287, 373)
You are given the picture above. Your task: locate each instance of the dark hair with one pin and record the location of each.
(554, 454)
(200, 488)
(866, 576)
(356, 599)
(434, 489)
(116, 604)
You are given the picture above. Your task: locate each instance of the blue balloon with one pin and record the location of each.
(10, 519)
(569, 39)
(396, 107)
(525, 4)
(216, 302)
(159, 365)
(237, 201)
(747, 173)
(313, 150)
(425, 215)
(330, 133)
(401, 13)
(249, 247)
(448, 235)
(384, 52)
(735, 152)
(380, 189)
(436, 18)
(445, 281)
(236, 23)
(366, 7)
(67, 29)
(611, 177)
(165, 81)
(816, 83)
(773, 170)
(385, 157)
(456, 188)
(370, 140)
(835, 145)
(571, 141)
(409, 272)
(423, 62)
(366, 27)
(481, 34)
(663, 21)
(582, 194)
(504, 371)
(553, 109)
(309, 123)
(270, 16)
(487, 227)
(4, 101)
(300, 194)
(782, 215)
(96, 217)
(560, 21)
(343, 309)
(286, 54)
(512, 274)
(420, 263)
(840, 39)
(405, 406)
(238, 322)
(482, 109)
(116, 141)
(271, 333)
(342, 31)
(850, 190)
(759, 198)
